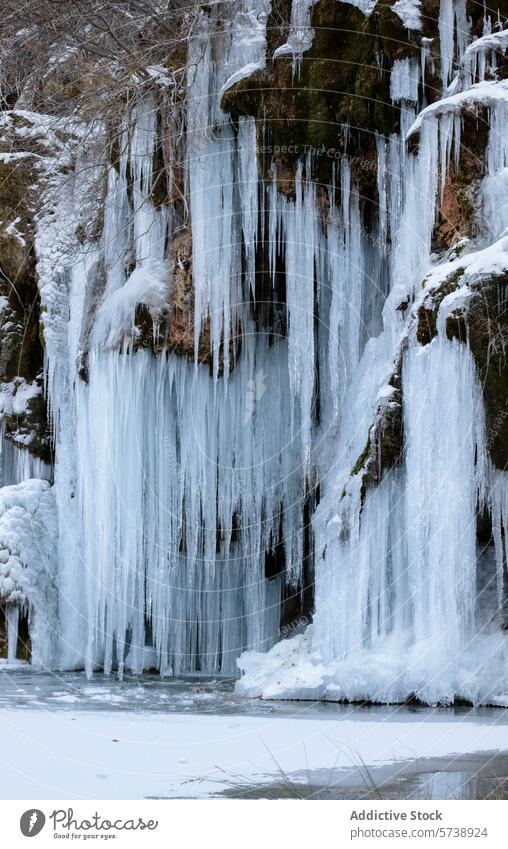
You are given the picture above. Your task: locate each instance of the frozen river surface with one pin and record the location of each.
(65, 737)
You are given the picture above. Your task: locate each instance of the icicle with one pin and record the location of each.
(498, 499)
(412, 233)
(300, 35)
(442, 491)
(405, 80)
(446, 126)
(480, 59)
(216, 239)
(495, 185)
(446, 23)
(152, 522)
(382, 186)
(248, 187)
(461, 27)
(453, 34)
(346, 262)
(425, 57)
(300, 241)
(12, 616)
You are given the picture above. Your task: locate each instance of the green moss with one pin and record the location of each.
(487, 331)
(362, 459)
(344, 79)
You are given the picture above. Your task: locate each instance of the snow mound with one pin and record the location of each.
(148, 285)
(293, 670)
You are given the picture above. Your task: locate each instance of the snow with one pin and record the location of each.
(48, 131)
(148, 285)
(409, 13)
(106, 755)
(487, 93)
(12, 230)
(16, 395)
(7, 157)
(480, 60)
(389, 676)
(242, 74)
(160, 75)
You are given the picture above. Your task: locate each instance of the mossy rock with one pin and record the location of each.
(456, 327)
(482, 324)
(487, 333)
(384, 447)
(426, 316)
(344, 79)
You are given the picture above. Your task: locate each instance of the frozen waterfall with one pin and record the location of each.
(226, 360)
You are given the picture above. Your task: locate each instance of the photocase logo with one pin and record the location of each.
(32, 822)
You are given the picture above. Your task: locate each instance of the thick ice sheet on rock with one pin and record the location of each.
(396, 596)
(27, 561)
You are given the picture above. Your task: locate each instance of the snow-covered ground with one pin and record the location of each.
(71, 738)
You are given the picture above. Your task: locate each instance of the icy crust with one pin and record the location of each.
(28, 531)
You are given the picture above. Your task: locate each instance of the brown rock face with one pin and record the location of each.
(180, 331)
(21, 349)
(174, 331)
(456, 213)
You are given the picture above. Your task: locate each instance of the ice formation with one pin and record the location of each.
(188, 492)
